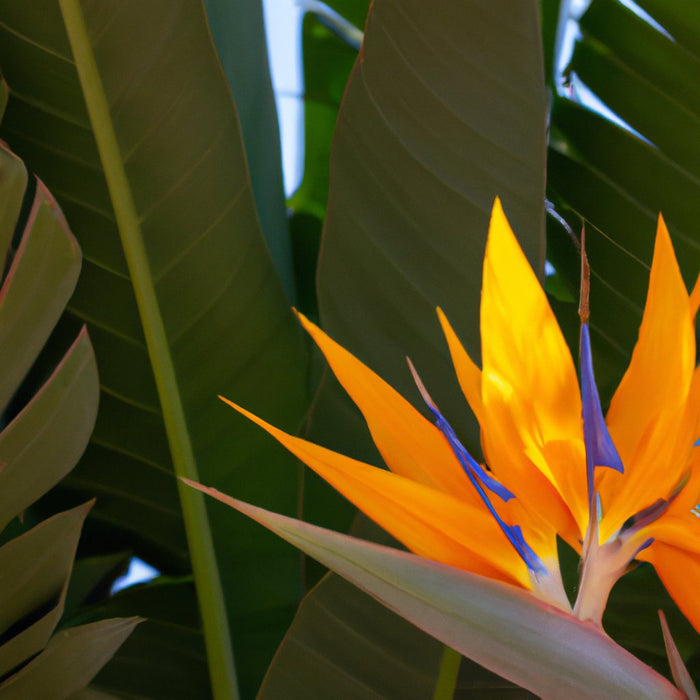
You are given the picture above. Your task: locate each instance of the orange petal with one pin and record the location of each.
(529, 387)
(695, 298)
(679, 526)
(468, 374)
(679, 570)
(649, 418)
(430, 523)
(410, 444)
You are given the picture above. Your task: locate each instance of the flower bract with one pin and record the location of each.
(619, 488)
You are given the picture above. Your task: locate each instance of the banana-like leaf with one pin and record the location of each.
(501, 627)
(141, 145)
(69, 662)
(445, 109)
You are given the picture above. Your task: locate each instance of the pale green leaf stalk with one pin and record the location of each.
(447, 676)
(204, 565)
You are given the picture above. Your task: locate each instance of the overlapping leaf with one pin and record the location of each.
(497, 625)
(218, 305)
(45, 431)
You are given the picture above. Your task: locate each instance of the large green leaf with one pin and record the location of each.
(503, 628)
(445, 110)
(177, 289)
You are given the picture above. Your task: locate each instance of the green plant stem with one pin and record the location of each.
(447, 676)
(204, 565)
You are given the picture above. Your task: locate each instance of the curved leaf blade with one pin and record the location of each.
(47, 438)
(238, 31)
(501, 627)
(47, 251)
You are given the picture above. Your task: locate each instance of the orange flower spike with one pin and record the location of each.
(528, 402)
(648, 419)
(545, 439)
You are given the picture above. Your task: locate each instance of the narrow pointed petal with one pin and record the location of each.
(529, 387)
(600, 450)
(409, 443)
(468, 374)
(429, 522)
(471, 467)
(695, 298)
(648, 417)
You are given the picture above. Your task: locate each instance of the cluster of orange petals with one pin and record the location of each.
(527, 400)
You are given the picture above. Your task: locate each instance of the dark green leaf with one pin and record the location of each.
(389, 657)
(69, 662)
(616, 181)
(45, 440)
(35, 570)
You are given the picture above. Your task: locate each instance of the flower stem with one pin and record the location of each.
(447, 676)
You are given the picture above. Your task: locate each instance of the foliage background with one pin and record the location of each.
(191, 264)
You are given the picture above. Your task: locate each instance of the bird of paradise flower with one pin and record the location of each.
(619, 488)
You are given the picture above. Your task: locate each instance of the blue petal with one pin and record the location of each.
(600, 450)
(469, 464)
(481, 479)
